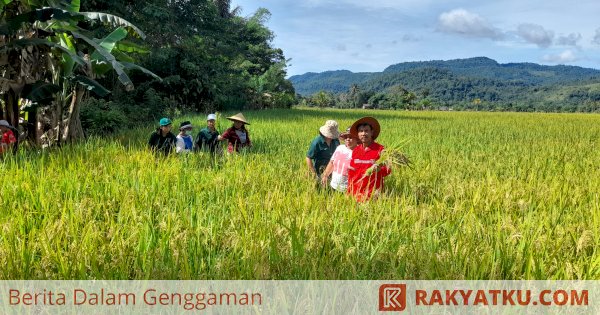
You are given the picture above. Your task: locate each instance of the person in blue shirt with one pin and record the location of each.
(185, 141)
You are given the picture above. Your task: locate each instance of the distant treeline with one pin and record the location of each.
(466, 84)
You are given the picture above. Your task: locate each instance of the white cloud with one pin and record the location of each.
(536, 34)
(569, 40)
(564, 57)
(596, 39)
(463, 22)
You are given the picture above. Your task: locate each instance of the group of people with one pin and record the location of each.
(7, 139)
(346, 167)
(350, 167)
(164, 141)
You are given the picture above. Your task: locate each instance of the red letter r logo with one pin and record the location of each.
(392, 297)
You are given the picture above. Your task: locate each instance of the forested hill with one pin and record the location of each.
(465, 80)
(482, 67)
(332, 81)
(476, 68)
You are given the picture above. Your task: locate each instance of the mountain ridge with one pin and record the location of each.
(531, 74)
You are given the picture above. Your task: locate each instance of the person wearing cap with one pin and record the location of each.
(365, 156)
(237, 136)
(207, 138)
(162, 140)
(338, 165)
(322, 147)
(8, 139)
(185, 141)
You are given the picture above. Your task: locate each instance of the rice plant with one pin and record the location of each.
(488, 196)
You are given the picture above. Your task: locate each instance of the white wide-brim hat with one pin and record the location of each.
(330, 129)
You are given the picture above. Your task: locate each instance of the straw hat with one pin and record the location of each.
(239, 117)
(366, 120)
(346, 134)
(330, 129)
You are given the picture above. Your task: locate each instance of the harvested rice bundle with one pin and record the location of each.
(392, 157)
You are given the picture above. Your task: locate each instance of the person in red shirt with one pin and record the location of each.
(365, 156)
(8, 139)
(237, 136)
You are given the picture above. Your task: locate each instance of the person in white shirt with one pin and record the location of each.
(339, 163)
(185, 142)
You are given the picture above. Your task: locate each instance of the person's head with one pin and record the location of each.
(210, 121)
(365, 130)
(330, 130)
(239, 121)
(185, 127)
(238, 124)
(165, 125)
(347, 138)
(365, 133)
(4, 126)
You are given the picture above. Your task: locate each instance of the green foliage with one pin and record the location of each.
(90, 85)
(40, 92)
(322, 99)
(210, 58)
(456, 83)
(100, 117)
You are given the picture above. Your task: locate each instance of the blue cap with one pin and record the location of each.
(165, 121)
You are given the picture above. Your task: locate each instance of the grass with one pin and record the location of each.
(489, 196)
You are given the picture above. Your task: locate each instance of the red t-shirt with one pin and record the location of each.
(8, 137)
(359, 185)
(235, 143)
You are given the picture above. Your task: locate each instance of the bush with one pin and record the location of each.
(99, 116)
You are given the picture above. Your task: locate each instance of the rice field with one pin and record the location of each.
(490, 196)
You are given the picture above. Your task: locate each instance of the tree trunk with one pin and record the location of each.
(33, 133)
(12, 108)
(73, 130)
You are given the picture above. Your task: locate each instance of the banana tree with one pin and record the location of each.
(42, 53)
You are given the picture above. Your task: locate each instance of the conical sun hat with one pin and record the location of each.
(239, 117)
(368, 120)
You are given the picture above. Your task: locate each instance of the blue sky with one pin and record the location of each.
(366, 36)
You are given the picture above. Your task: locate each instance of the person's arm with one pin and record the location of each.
(152, 141)
(310, 155)
(223, 136)
(179, 145)
(311, 167)
(198, 142)
(328, 170)
(383, 170)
